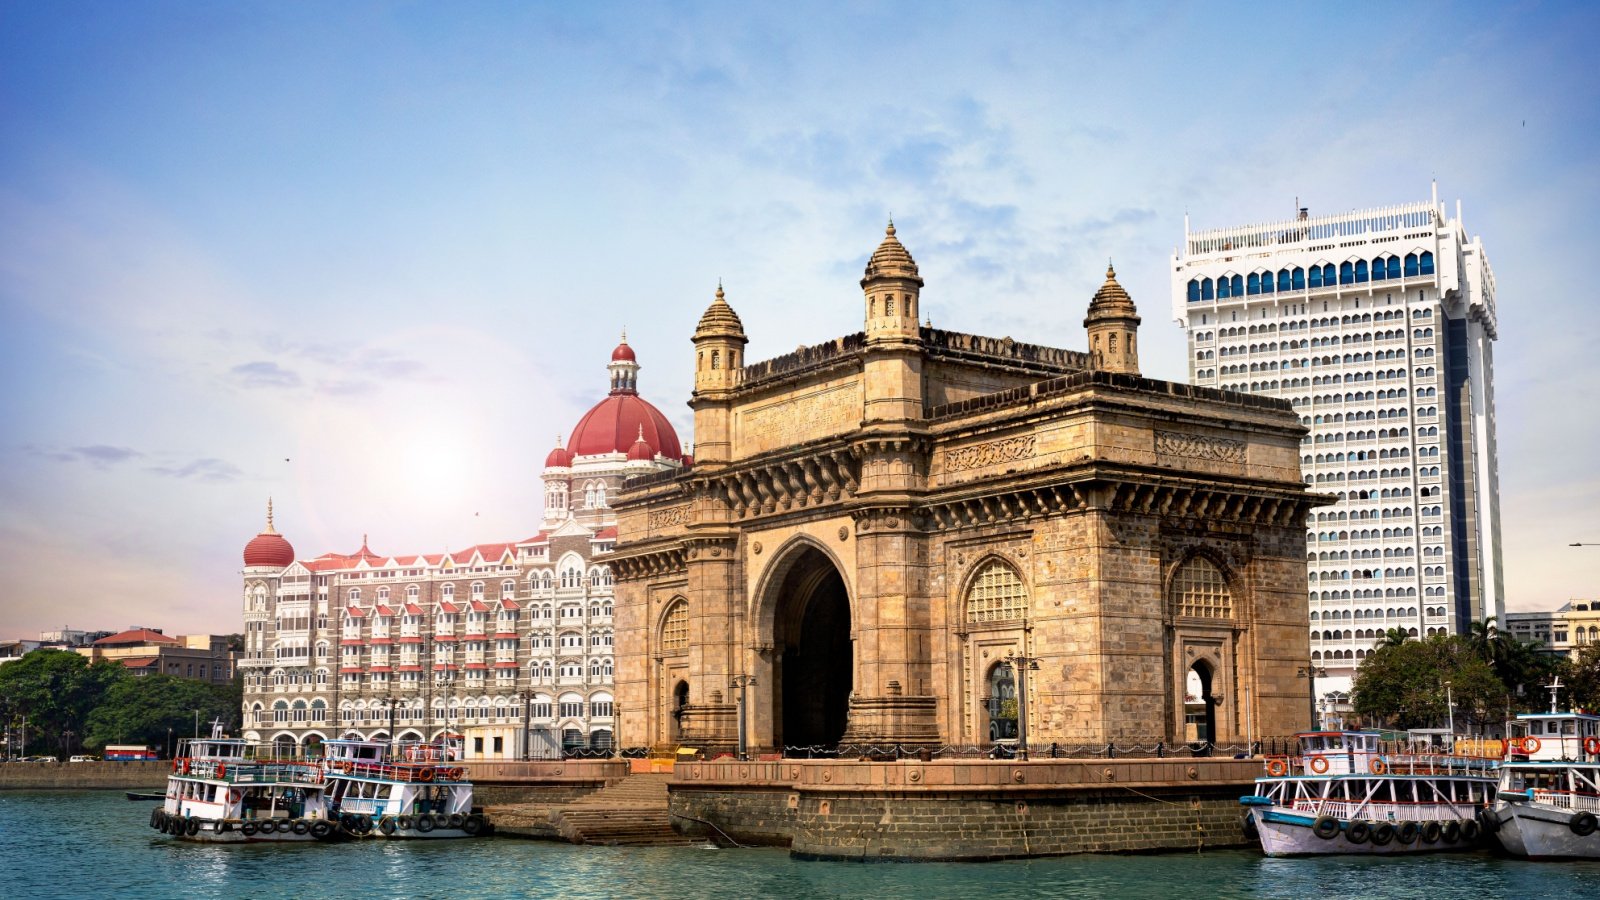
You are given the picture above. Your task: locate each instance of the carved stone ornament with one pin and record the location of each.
(1197, 446)
(666, 518)
(756, 548)
(989, 453)
(844, 533)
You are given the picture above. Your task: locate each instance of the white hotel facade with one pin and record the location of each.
(1378, 325)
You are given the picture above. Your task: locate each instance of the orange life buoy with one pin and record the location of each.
(222, 770)
(234, 796)
(1277, 767)
(425, 773)
(175, 762)
(186, 766)
(457, 773)
(346, 767)
(1377, 767)
(1319, 764)
(1531, 745)
(1591, 745)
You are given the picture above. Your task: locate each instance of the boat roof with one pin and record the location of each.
(1376, 734)
(1575, 714)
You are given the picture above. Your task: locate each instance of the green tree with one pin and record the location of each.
(1582, 679)
(1394, 637)
(51, 693)
(1403, 684)
(148, 709)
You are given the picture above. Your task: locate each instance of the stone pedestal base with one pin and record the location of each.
(906, 721)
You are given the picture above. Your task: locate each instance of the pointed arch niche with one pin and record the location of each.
(1205, 631)
(994, 605)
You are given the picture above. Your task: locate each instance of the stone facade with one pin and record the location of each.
(875, 525)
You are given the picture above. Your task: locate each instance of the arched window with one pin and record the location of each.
(1199, 591)
(675, 627)
(996, 594)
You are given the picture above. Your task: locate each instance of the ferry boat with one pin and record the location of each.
(221, 791)
(422, 792)
(1549, 790)
(1342, 794)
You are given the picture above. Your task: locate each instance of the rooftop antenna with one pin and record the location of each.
(1553, 687)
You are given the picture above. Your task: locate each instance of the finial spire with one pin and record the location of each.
(1111, 271)
(890, 230)
(641, 432)
(720, 298)
(270, 529)
(624, 334)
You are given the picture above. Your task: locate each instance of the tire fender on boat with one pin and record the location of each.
(455, 820)
(248, 829)
(1357, 832)
(1583, 824)
(321, 829)
(387, 826)
(193, 828)
(1470, 830)
(424, 823)
(1489, 821)
(1452, 831)
(473, 824)
(1431, 833)
(1382, 834)
(300, 826)
(1325, 827)
(1407, 832)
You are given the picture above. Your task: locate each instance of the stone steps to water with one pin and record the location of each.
(631, 812)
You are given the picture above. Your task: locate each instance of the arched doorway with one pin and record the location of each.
(1199, 706)
(680, 702)
(816, 670)
(1002, 703)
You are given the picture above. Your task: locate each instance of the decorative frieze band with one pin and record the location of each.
(1197, 446)
(669, 517)
(990, 452)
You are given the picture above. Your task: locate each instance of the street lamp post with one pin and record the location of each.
(742, 683)
(1022, 665)
(526, 699)
(197, 724)
(1311, 673)
(1450, 708)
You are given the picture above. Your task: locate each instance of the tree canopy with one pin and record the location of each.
(56, 700)
(1402, 683)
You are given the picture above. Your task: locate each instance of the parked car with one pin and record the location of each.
(38, 759)
(84, 758)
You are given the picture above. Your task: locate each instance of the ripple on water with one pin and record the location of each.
(78, 843)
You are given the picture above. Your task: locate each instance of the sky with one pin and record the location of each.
(370, 259)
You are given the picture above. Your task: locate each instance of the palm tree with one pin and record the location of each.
(1394, 637)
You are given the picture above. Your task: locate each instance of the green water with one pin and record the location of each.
(95, 843)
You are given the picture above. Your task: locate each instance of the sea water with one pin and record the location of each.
(98, 844)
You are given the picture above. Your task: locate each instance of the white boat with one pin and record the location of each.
(1549, 790)
(223, 790)
(1342, 794)
(421, 792)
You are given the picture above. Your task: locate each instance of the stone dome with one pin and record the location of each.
(719, 318)
(891, 260)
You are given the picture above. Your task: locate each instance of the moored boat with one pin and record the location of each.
(420, 792)
(1342, 794)
(1549, 790)
(222, 791)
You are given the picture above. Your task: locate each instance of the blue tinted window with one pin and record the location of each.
(1427, 263)
(1347, 274)
(1394, 267)
(1361, 270)
(1283, 279)
(1205, 289)
(1194, 289)
(1316, 276)
(1238, 285)
(1377, 270)
(1299, 279)
(1266, 282)
(1253, 285)
(1411, 265)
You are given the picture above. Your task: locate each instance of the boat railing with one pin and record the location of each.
(402, 772)
(254, 772)
(1364, 763)
(1574, 800)
(1384, 811)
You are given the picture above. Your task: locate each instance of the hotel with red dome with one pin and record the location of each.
(509, 645)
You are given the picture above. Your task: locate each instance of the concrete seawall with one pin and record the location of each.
(125, 776)
(968, 809)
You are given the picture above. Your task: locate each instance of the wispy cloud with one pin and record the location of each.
(206, 469)
(264, 374)
(101, 456)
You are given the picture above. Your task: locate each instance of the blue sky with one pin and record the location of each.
(370, 259)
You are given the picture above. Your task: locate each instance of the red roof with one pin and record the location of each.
(559, 458)
(410, 669)
(446, 666)
(136, 636)
(605, 534)
(502, 664)
(476, 666)
(616, 422)
(413, 610)
(444, 637)
(448, 607)
(623, 353)
(410, 639)
(542, 537)
(378, 669)
(381, 641)
(349, 641)
(354, 612)
(479, 606)
(349, 670)
(383, 610)
(508, 604)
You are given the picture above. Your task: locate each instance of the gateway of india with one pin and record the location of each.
(885, 536)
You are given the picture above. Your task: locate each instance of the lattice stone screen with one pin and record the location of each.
(996, 594)
(675, 628)
(1199, 591)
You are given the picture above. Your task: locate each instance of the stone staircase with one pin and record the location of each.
(631, 812)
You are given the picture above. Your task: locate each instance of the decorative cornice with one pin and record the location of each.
(976, 456)
(1199, 446)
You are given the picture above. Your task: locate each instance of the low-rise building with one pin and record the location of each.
(146, 651)
(1565, 631)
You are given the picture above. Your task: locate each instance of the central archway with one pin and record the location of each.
(816, 669)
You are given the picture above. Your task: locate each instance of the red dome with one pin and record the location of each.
(617, 422)
(623, 353)
(268, 548)
(640, 451)
(558, 458)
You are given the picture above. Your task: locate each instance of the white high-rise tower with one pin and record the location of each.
(1378, 326)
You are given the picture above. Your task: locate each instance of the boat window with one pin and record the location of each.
(1569, 727)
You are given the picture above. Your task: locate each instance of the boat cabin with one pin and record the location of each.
(1552, 736)
(1338, 752)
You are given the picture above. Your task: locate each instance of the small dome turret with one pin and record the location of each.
(269, 548)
